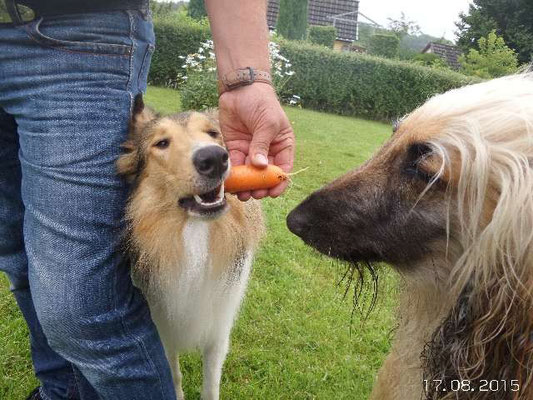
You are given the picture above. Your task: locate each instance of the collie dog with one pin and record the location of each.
(191, 244)
(448, 202)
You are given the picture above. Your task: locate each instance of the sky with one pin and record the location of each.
(435, 17)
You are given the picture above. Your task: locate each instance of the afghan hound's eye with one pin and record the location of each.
(213, 133)
(162, 144)
(416, 154)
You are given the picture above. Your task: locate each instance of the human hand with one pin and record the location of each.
(257, 131)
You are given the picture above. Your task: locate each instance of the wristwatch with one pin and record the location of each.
(242, 77)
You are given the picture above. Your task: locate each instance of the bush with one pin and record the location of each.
(175, 38)
(199, 88)
(430, 60)
(494, 58)
(322, 35)
(199, 91)
(384, 45)
(358, 84)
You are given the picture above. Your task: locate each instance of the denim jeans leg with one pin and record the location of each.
(54, 372)
(72, 102)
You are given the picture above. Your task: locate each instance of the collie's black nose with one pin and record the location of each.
(211, 161)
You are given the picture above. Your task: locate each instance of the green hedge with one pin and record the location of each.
(326, 80)
(384, 45)
(174, 38)
(358, 84)
(322, 35)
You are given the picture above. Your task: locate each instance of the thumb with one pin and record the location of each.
(259, 149)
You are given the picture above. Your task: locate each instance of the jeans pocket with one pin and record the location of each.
(92, 33)
(145, 67)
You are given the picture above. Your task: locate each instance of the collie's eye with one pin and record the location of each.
(162, 144)
(213, 133)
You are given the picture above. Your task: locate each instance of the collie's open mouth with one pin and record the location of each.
(205, 204)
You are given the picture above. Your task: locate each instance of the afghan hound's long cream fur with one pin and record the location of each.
(487, 151)
(448, 201)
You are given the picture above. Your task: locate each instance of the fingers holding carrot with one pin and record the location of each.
(256, 131)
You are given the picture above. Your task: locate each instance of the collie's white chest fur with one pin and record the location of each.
(195, 307)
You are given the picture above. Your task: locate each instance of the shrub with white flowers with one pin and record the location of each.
(198, 88)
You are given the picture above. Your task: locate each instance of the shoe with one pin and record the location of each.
(35, 395)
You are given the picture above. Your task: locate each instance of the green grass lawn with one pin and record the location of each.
(295, 337)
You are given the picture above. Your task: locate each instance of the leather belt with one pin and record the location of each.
(21, 11)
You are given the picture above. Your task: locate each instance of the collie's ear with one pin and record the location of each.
(487, 336)
(128, 162)
(140, 115)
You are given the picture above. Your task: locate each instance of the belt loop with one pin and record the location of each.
(13, 11)
(145, 9)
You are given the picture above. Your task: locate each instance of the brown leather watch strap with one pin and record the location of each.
(242, 77)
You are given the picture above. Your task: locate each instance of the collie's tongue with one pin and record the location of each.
(211, 198)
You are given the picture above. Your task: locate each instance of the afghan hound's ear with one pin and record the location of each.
(130, 162)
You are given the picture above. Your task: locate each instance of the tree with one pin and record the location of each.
(292, 19)
(197, 9)
(511, 19)
(493, 59)
(403, 26)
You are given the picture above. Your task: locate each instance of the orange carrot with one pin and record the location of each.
(247, 177)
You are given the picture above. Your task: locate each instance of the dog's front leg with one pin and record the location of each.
(177, 377)
(213, 359)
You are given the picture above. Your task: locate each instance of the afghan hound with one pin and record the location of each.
(448, 202)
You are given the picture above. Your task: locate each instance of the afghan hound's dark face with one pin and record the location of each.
(380, 212)
(450, 199)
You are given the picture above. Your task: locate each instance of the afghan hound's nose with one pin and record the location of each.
(297, 222)
(211, 161)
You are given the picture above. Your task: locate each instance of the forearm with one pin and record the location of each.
(240, 34)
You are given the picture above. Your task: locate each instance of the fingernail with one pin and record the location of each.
(261, 159)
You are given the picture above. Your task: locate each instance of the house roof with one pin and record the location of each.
(342, 14)
(272, 13)
(447, 52)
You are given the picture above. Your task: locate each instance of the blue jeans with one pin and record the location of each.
(66, 89)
